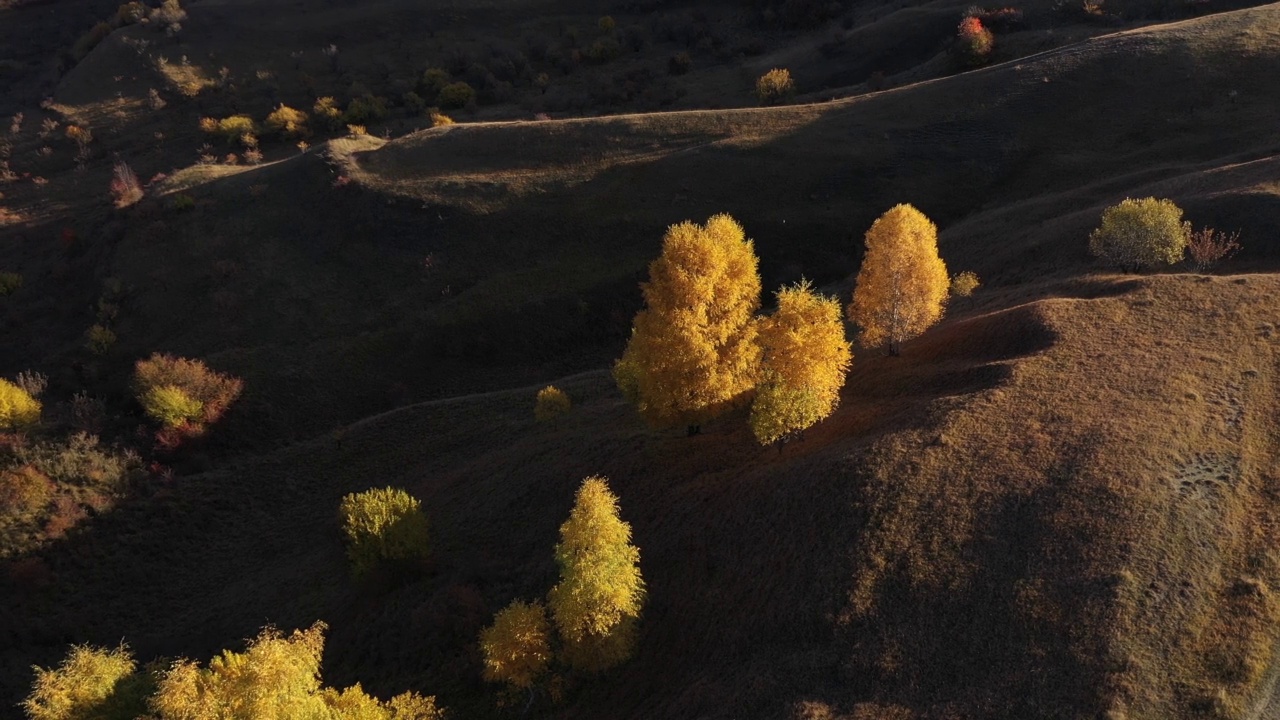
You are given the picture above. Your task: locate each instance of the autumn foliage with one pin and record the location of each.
(517, 647)
(17, 408)
(551, 403)
(1138, 233)
(275, 678)
(693, 350)
(902, 285)
(598, 599)
(806, 357)
(174, 390)
(383, 525)
(974, 42)
(90, 683)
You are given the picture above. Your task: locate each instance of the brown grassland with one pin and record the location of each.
(1060, 502)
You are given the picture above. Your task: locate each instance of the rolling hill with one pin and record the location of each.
(1059, 503)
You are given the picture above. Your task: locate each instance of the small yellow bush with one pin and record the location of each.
(1139, 233)
(439, 118)
(963, 284)
(384, 524)
(775, 87)
(170, 406)
(229, 128)
(327, 113)
(516, 646)
(552, 402)
(90, 683)
(288, 122)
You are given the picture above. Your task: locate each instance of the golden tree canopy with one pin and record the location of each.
(806, 358)
(692, 352)
(517, 645)
(600, 585)
(903, 284)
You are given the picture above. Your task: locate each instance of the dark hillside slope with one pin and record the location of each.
(515, 248)
(1050, 511)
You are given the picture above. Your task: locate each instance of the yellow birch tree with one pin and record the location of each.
(517, 645)
(600, 593)
(902, 285)
(806, 358)
(692, 352)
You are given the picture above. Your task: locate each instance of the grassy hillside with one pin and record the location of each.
(1059, 503)
(962, 537)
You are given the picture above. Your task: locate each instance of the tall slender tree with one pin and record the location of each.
(902, 285)
(693, 350)
(598, 599)
(806, 357)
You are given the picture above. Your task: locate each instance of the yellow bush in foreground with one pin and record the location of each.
(90, 684)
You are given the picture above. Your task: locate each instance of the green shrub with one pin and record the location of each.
(456, 95)
(10, 283)
(552, 402)
(364, 110)
(182, 202)
(1140, 233)
(383, 525)
(90, 684)
(432, 82)
(414, 103)
(603, 50)
(775, 87)
(99, 339)
(963, 284)
(170, 406)
(18, 409)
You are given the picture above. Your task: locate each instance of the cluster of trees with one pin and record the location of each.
(1137, 234)
(698, 348)
(594, 608)
(277, 677)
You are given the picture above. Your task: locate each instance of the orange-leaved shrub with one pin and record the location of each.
(806, 358)
(974, 42)
(597, 602)
(214, 391)
(693, 352)
(1208, 247)
(902, 285)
